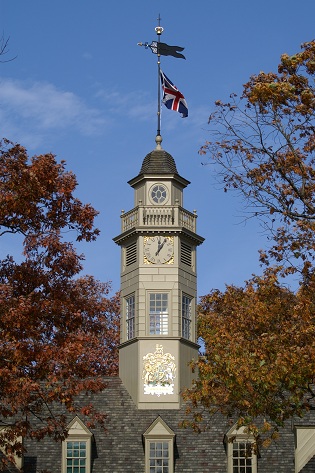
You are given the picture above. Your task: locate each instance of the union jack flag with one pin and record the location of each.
(172, 97)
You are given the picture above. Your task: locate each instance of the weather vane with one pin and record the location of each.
(172, 97)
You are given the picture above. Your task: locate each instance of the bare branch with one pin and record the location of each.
(4, 49)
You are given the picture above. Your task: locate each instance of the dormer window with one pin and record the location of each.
(76, 449)
(240, 451)
(159, 448)
(304, 447)
(11, 440)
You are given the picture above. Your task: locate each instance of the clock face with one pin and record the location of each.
(159, 249)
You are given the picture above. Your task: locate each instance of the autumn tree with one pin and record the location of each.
(59, 330)
(259, 360)
(259, 364)
(263, 147)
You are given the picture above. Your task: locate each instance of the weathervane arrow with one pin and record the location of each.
(164, 49)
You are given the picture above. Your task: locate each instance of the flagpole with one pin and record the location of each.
(159, 31)
(172, 98)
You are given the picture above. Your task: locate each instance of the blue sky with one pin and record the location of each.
(80, 87)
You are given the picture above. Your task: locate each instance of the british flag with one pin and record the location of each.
(172, 97)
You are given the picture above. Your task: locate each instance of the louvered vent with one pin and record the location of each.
(185, 254)
(131, 254)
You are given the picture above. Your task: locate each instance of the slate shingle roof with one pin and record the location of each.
(120, 449)
(158, 161)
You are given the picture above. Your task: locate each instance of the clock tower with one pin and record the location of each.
(158, 243)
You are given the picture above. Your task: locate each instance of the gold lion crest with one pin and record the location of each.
(159, 372)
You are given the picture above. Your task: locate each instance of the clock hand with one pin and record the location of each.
(161, 246)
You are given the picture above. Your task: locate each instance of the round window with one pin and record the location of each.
(158, 194)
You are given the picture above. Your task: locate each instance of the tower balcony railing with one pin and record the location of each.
(153, 216)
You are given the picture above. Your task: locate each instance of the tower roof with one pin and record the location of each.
(158, 161)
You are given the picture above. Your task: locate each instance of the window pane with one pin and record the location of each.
(159, 457)
(242, 457)
(158, 318)
(186, 316)
(76, 457)
(130, 316)
(158, 194)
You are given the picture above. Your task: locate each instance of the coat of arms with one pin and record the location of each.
(159, 372)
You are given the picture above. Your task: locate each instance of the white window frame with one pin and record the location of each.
(149, 459)
(240, 436)
(161, 318)
(157, 200)
(186, 318)
(130, 307)
(77, 432)
(159, 433)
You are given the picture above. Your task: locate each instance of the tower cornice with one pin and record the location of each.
(195, 239)
(188, 343)
(151, 177)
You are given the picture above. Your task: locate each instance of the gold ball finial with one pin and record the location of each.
(158, 140)
(159, 30)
